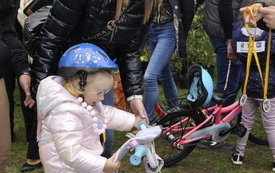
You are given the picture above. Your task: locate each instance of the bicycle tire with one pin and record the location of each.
(172, 155)
(258, 134)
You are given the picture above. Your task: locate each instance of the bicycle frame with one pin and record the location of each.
(201, 131)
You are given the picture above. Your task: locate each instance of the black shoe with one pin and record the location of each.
(218, 146)
(27, 167)
(237, 158)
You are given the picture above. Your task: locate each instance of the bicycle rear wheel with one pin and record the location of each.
(258, 134)
(188, 118)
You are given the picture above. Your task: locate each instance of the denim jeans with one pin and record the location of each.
(162, 43)
(108, 100)
(229, 73)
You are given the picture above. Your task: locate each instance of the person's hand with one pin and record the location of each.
(268, 14)
(25, 83)
(252, 14)
(230, 54)
(138, 109)
(111, 166)
(137, 120)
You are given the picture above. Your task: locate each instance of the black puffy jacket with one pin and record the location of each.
(11, 50)
(74, 21)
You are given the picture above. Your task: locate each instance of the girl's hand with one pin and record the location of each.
(110, 165)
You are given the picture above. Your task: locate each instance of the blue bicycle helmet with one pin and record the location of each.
(200, 86)
(84, 57)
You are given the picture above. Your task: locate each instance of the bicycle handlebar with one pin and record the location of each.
(140, 151)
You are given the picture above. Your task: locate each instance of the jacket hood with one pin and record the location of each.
(51, 94)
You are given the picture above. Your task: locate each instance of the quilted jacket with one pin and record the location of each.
(67, 142)
(74, 21)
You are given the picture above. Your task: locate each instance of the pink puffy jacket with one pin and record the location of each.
(67, 142)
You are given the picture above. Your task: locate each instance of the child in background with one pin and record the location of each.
(73, 119)
(254, 95)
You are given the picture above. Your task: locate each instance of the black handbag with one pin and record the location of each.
(32, 27)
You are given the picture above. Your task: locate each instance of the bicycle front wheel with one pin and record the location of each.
(184, 119)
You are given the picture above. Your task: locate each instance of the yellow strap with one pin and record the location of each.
(266, 80)
(252, 51)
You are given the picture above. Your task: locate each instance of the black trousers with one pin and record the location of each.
(30, 119)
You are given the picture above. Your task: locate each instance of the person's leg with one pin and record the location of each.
(109, 100)
(10, 87)
(229, 73)
(30, 121)
(169, 86)
(162, 45)
(5, 139)
(248, 119)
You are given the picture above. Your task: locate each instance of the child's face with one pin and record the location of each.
(93, 95)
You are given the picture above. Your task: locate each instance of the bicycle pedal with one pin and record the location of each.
(241, 130)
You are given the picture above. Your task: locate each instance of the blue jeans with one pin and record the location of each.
(229, 73)
(162, 43)
(109, 100)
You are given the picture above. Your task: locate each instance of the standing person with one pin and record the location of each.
(259, 89)
(12, 55)
(30, 118)
(72, 117)
(163, 40)
(217, 22)
(5, 140)
(117, 26)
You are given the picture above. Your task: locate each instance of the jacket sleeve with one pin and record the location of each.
(130, 64)
(52, 39)
(226, 17)
(18, 61)
(119, 120)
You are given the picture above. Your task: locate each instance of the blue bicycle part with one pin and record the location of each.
(140, 151)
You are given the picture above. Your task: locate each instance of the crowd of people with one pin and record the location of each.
(71, 72)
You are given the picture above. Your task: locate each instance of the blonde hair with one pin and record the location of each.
(102, 78)
(148, 8)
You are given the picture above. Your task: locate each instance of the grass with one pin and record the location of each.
(258, 158)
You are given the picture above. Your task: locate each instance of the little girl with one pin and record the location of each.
(73, 119)
(258, 87)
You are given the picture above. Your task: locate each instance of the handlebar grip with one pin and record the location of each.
(140, 151)
(141, 125)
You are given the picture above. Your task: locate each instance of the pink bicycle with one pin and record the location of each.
(184, 125)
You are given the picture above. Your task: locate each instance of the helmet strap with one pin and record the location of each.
(83, 78)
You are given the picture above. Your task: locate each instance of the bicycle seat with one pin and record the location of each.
(220, 95)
